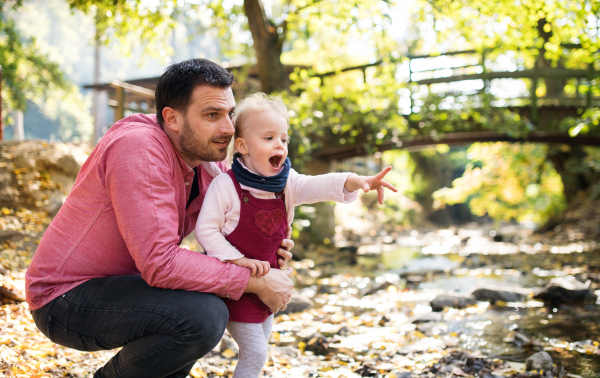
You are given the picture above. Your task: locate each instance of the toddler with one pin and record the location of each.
(246, 212)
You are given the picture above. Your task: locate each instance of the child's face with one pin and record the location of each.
(264, 142)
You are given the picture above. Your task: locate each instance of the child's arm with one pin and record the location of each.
(259, 268)
(367, 183)
(218, 202)
(339, 187)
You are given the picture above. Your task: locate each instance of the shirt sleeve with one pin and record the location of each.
(218, 204)
(304, 189)
(139, 173)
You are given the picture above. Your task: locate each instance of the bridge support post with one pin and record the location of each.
(323, 225)
(534, 108)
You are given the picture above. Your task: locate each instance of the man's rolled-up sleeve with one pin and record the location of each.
(139, 175)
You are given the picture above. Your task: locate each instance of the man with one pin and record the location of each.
(109, 271)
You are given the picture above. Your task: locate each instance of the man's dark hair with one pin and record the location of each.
(175, 86)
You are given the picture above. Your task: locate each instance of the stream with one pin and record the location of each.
(457, 261)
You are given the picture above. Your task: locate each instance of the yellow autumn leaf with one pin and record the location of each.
(228, 353)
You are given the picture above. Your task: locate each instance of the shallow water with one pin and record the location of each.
(552, 329)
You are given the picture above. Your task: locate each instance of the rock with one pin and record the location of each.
(284, 351)
(517, 338)
(344, 331)
(505, 294)
(455, 301)
(426, 317)
(540, 361)
(298, 303)
(318, 344)
(37, 175)
(565, 290)
(413, 282)
(228, 343)
(383, 286)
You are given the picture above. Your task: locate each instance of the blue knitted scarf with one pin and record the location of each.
(274, 184)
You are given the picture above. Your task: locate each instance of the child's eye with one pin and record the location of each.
(269, 138)
(284, 140)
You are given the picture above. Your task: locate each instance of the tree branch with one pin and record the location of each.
(298, 10)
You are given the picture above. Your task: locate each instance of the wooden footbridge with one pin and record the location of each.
(544, 113)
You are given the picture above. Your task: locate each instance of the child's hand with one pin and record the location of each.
(367, 183)
(259, 268)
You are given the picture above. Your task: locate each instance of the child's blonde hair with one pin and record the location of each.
(257, 102)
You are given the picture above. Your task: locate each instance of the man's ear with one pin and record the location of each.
(172, 119)
(240, 146)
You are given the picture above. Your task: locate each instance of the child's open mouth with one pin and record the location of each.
(275, 160)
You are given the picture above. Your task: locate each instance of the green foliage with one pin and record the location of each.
(26, 74)
(317, 27)
(588, 121)
(129, 22)
(344, 110)
(29, 76)
(441, 113)
(509, 25)
(515, 181)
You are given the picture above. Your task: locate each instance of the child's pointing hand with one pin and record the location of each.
(367, 183)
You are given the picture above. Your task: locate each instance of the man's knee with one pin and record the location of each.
(209, 318)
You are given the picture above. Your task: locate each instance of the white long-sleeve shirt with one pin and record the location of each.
(220, 213)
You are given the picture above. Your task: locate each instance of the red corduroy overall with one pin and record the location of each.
(262, 227)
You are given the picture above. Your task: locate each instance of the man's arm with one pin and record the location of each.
(139, 173)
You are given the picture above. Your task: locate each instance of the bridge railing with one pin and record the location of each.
(472, 65)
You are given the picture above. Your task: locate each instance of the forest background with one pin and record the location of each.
(47, 52)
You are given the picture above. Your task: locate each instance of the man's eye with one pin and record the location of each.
(212, 115)
(231, 115)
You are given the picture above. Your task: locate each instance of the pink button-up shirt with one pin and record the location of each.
(126, 214)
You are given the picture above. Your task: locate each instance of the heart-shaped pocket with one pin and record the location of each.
(269, 221)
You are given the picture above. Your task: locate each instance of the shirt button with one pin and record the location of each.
(245, 199)
(187, 183)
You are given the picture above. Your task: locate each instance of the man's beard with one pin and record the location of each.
(193, 148)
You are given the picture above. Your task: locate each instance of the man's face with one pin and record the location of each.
(207, 128)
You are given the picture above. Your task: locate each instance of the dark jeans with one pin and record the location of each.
(163, 332)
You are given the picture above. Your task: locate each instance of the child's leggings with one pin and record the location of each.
(252, 338)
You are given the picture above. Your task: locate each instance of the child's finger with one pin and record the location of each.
(253, 269)
(381, 174)
(366, 187)
(389, 186)
(380, 194)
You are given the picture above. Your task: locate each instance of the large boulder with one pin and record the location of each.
(35, 178)
(501, 293)
(455, 301)
(541, 362)
(565, 290)
(37, 175)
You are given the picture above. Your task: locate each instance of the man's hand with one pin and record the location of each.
(284, 252)
(274, 289)
(367, 183)
(258, 268)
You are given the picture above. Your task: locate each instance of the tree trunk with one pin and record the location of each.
(569, 165)
(268, 43)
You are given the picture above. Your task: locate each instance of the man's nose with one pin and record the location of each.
(227, 126)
